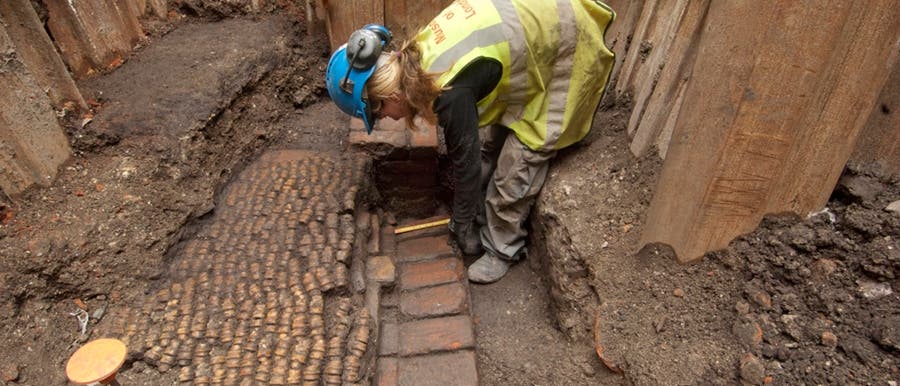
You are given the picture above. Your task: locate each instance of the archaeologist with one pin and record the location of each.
(535, 69)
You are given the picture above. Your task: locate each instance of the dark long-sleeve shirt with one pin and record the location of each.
(457, 113)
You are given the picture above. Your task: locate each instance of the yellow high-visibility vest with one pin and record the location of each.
(555, 62)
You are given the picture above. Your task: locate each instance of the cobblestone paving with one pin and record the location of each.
(260, 295)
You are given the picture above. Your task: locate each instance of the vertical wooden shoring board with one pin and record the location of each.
(620, 32)
(140, 7)
(657, 121)
(855, 73)
(407, 17)
(660, 34)
(128, 14)
(346, 16)
(880, 140)
(32, 144)
(770, 119)
(111, 26)
(96, 25)
(38, 53)
(78, 50)
(159, 8)
(633, 56)
(395, 14)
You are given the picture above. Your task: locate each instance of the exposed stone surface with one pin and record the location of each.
(381, 269)
(440, 271)
(422, 249)
(427, 335)
(448, 299)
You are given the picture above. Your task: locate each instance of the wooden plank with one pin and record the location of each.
(140, 6)
(618, 36)
(90, 34)
(660, 34)
(405, 18)
(158, 8)
(655, 123)
(101, 19)
(37, 52)
(632, 60)
(772, 121)
(857, 68)
(128, 14)
(76, 48)
(345, 16)
(880, 140)
(32, 144)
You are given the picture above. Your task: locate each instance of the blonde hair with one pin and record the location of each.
(402, 74)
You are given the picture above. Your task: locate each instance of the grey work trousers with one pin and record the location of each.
(512, 176)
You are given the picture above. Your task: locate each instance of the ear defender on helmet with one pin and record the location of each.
(351, 66)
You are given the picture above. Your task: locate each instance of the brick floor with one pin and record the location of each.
(423, 249)
(448, 299)
(433, 272)
(429, 337)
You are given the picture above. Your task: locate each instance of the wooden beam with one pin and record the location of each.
(406, 17)
(92, 35)
(128, 13)
(632, 60)
(38, 53)
(773, 119)
(32, 144)
(619, 35)
(77, 50)
(880, 140)
(657, 105)
(345, 16)
(158, 8)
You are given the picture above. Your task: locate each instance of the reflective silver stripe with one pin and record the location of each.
(482, 38)
(560, 80)
(518, 54)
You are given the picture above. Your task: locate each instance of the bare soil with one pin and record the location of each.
(799, 301)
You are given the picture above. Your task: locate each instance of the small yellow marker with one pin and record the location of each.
(97, 362)
(421, 226)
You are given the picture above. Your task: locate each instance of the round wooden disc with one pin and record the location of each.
(96, 361)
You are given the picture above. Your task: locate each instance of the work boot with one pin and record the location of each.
(467, 238)
(488, 269)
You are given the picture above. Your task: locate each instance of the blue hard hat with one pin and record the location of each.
(351, 66)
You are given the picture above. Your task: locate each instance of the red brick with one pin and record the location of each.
(372, 142)
(390, 124)
(423, 248)
(387, 373)
(457, 368)
(449, 299)
(433, 335)
(430, 273)
(424, 135)
(390, 339)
